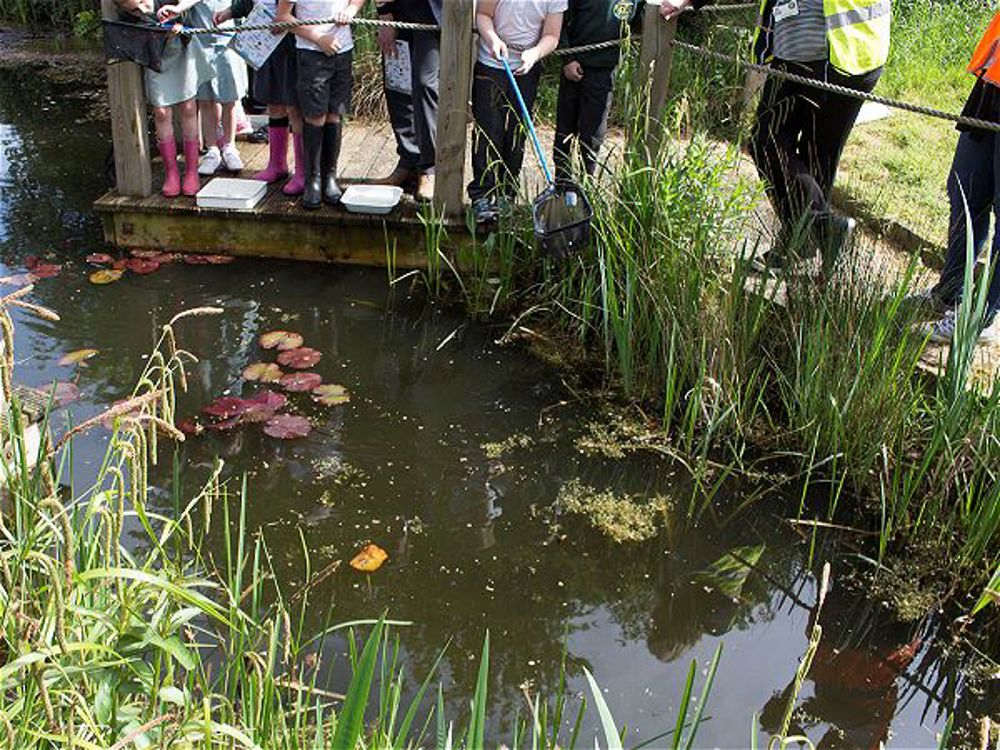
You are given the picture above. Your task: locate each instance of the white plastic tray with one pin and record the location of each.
(231, 193)
(371, 199)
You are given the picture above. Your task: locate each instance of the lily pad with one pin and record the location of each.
(100, 259)
(208, 260)
(227, 407)
(263, 372)
(369, 559)
(271, 399)
(157, 256)
(281, 340)
(77, 357)
(300, 359)
(300, 382)
(46, 270)
(191, 426)
(287, 427)
(331, 395)
(141, 265)
(106, 276)
(65, 393)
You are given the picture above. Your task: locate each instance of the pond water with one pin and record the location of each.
(471, 547)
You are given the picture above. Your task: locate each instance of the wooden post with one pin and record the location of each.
(129, 130)
(453, 108)
(755, 79)
(656, 56)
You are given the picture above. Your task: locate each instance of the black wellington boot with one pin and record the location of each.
(312, 145)
(332, 135)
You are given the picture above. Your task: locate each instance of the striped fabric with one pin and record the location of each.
(800, 31)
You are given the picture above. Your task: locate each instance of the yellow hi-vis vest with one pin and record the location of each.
(857, 31)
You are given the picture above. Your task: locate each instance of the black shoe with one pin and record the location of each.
(835, 235)
(484, 211)
(332, 136)
(312, 145)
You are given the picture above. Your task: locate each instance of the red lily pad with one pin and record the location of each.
(300, 359)
(32, 261)
(46, 270)
(208, 260)
(65, 393)
(287, 427)
(271, 399)
(100, 259)
(227, 424)
(191, 426)
(157, 256)
(331, 395)
(226, 407)
(281, 340)
(141, 265)
(300, 382)
(263, 372)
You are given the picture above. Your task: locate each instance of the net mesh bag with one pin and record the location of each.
(143, 42)
(562, 216)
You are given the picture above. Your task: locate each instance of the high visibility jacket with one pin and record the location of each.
(986, 61)
(857, 32)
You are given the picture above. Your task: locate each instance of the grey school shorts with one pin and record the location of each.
(326, 82)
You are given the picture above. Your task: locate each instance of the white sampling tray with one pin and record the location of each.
(231, 193)
(371, 199)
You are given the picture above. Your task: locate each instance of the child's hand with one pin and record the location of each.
(346, 16)
(221, 16)
(573, 71)
(329, 44)
(168, 13)
(499, 49)
(670, 9)
(528, 59)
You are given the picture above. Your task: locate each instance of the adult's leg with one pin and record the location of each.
(595, 106)
(425, 59)
(488, 106)
(971, 194)
(515, 129)
(400, 106)
(567, 125)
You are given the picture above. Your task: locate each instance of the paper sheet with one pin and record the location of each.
(398, 70)
(256, 46)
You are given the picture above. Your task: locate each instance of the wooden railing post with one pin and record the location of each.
(655, 59)
(453, 106)
(129, 129)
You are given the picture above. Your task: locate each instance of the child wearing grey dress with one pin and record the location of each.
(184, 69)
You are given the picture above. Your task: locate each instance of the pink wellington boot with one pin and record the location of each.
(297, 185)
(191, 184)
(277, 166)
(172, 178)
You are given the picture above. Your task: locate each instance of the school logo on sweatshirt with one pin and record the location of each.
(623, 9)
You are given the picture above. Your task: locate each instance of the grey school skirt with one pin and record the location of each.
(185, 69)
(277, 78)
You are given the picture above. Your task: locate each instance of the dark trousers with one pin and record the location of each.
(414, 116)
(582, 115)
(499, 135)
(974, 180)
(799, 135)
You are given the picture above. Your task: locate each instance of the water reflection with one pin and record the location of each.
(470, 545)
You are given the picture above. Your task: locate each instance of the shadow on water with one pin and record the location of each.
(469, 537)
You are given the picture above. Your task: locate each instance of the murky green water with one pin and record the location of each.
(402, 466)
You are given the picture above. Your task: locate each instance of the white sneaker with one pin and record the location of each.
(231, 158)
(210, 162)
(942, 331)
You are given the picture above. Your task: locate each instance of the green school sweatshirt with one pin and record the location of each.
(590, 21)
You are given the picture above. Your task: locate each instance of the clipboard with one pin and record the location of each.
(257, 46)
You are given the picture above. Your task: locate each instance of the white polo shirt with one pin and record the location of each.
(313, 10)
(519, 23)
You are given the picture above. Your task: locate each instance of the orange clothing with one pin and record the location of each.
(986, 60)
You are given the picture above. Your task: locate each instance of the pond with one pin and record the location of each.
(471, 540)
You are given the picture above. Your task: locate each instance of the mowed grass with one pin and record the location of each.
(899, 166)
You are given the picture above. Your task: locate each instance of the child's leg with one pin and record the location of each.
(341, 87)
(210, 113)
(488, 134)
(230, 154)
(514, 133)
(296, 185)
(277, 143)
(167, 145)
(189, 124)
(567, 124)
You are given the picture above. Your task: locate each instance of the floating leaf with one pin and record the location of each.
(191, 426)
(119, 265)
(210, 260)
(157, 256)
(331, 395)
(65, 393)
(264, 406)
(226, 407)
(300, 359)
(263, 372)
(32, 261)
(75, 358)
(287, 427)
(281, 340)
(46, 270)
(100, 259)
(194, 260)
(270, 399)
(228, 424)
(369, 559)
(141, 265)
(300, 382)
(106, 276)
